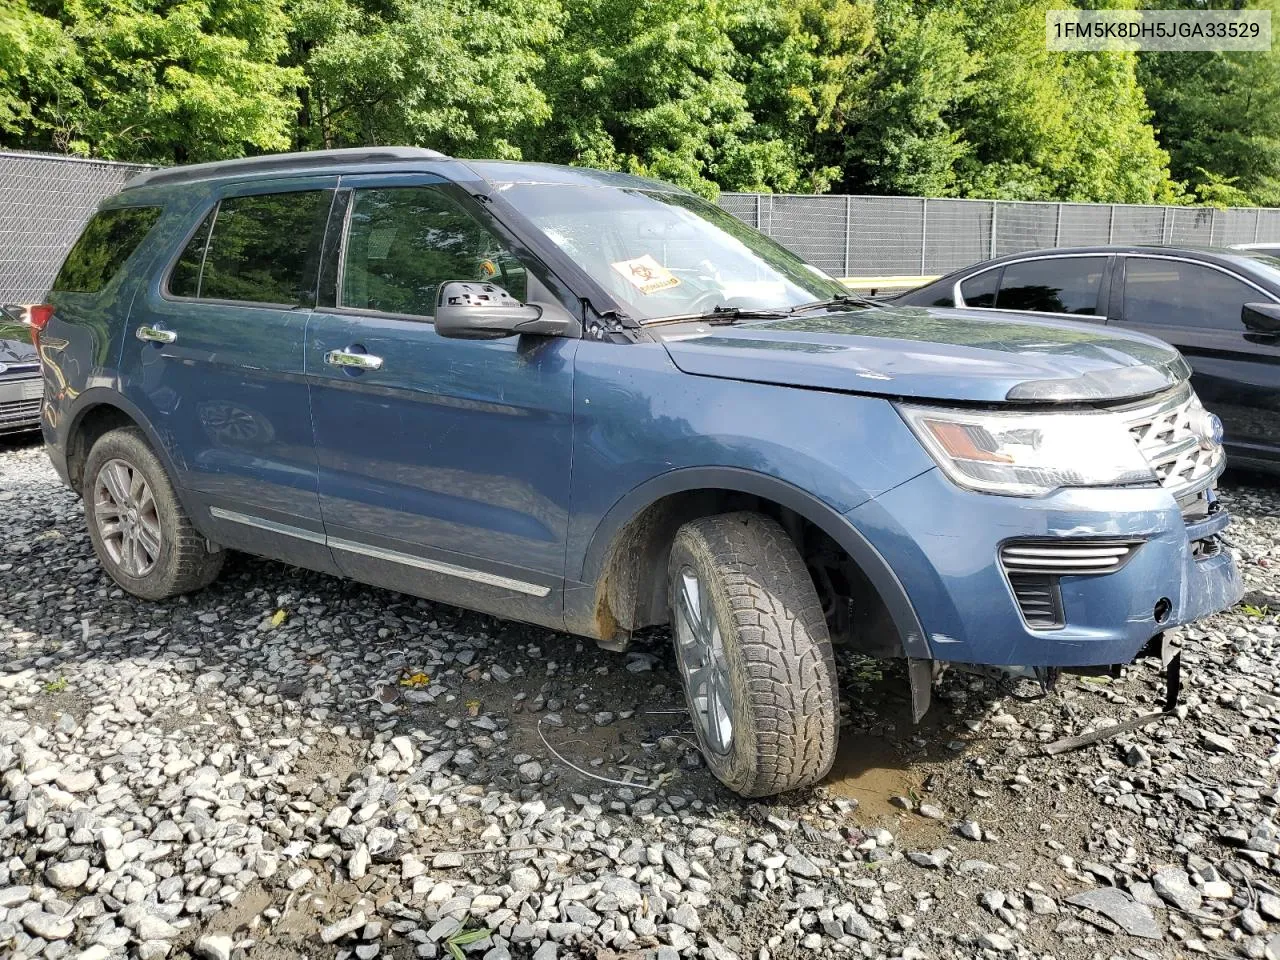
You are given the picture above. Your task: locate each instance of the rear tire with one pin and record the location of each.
(754, 653)
(140, 532)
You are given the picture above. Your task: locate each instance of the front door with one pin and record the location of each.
(1236, 372)
(214, 357)
(444, 464)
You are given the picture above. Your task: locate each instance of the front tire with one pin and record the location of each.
(754, 654)
(142, 536)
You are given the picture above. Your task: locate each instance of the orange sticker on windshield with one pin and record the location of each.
(646, 274)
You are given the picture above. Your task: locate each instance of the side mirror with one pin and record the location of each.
(469, 310)
(1263, 317)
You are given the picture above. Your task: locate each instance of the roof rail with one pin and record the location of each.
(281, 161)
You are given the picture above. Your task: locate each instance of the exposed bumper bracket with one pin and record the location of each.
(1171, 663)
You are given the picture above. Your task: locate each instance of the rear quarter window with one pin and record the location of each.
(109, 238)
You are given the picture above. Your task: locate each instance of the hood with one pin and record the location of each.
(935, 354)
(15, 346)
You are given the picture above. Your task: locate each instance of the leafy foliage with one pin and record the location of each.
(1219, 117)
(936, 97)
(456, 75)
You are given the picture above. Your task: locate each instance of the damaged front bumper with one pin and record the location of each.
(1081, 578)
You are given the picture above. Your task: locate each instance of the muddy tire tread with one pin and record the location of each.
(786, 650)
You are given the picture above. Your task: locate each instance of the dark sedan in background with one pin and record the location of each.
(1221, 308)
(20, 383)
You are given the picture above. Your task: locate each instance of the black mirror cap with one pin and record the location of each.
(1261, 317)
(469, 310)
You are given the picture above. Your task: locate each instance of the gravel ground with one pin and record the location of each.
(290, 765)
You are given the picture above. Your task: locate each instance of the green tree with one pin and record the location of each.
(803, 65)
(150, 80)
(456, 75)
(648, 86)
(1218, 115)
(1047, 125)
(38, 65)
(901, 136)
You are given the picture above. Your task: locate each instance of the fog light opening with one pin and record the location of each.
(1163, 608)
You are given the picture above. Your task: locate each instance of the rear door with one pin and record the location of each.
(1196, 306)
(213, 355)
(444, 464)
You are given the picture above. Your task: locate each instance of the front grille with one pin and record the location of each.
(1166, 433)
(1039, 600)
(1072, 557)
(19, 413)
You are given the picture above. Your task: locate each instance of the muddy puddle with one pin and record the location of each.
(870, 769)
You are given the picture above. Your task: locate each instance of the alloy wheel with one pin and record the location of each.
(700, 652)
(127, 519)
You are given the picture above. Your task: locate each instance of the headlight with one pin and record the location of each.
(1029, 454)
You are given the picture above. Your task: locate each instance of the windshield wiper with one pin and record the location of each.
(725, 315)
(844, 300)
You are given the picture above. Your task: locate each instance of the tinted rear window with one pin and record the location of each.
(256, 249)
(108, 239)
(980, 290)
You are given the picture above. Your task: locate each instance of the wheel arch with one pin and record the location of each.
(98, 411)
(623, 569)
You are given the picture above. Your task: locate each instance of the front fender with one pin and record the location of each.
(736, 480)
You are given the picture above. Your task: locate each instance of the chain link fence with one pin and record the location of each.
(45, 200)
(914, 236)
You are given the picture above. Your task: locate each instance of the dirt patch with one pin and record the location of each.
(870, 769)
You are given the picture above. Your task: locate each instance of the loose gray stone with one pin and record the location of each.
(67, 875)
(1217, 742)
(336, 931)
(47, 926)
(932, 860)
(997, 942)
(802, 866)
(1173, 885)
(213, 946)
(1134, 918)
(525, 879)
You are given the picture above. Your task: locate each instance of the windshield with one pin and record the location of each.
(666, 254)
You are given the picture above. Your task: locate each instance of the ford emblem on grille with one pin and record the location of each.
(1208, 428)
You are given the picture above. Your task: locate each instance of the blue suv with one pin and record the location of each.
(599, 403)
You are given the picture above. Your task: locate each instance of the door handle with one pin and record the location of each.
(350, 359)
(155, 335)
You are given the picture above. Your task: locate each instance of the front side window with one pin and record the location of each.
(667, 254)
(106, 243)
(255, 249)
(1177, 294)
(1062, 285)
(404, 242)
